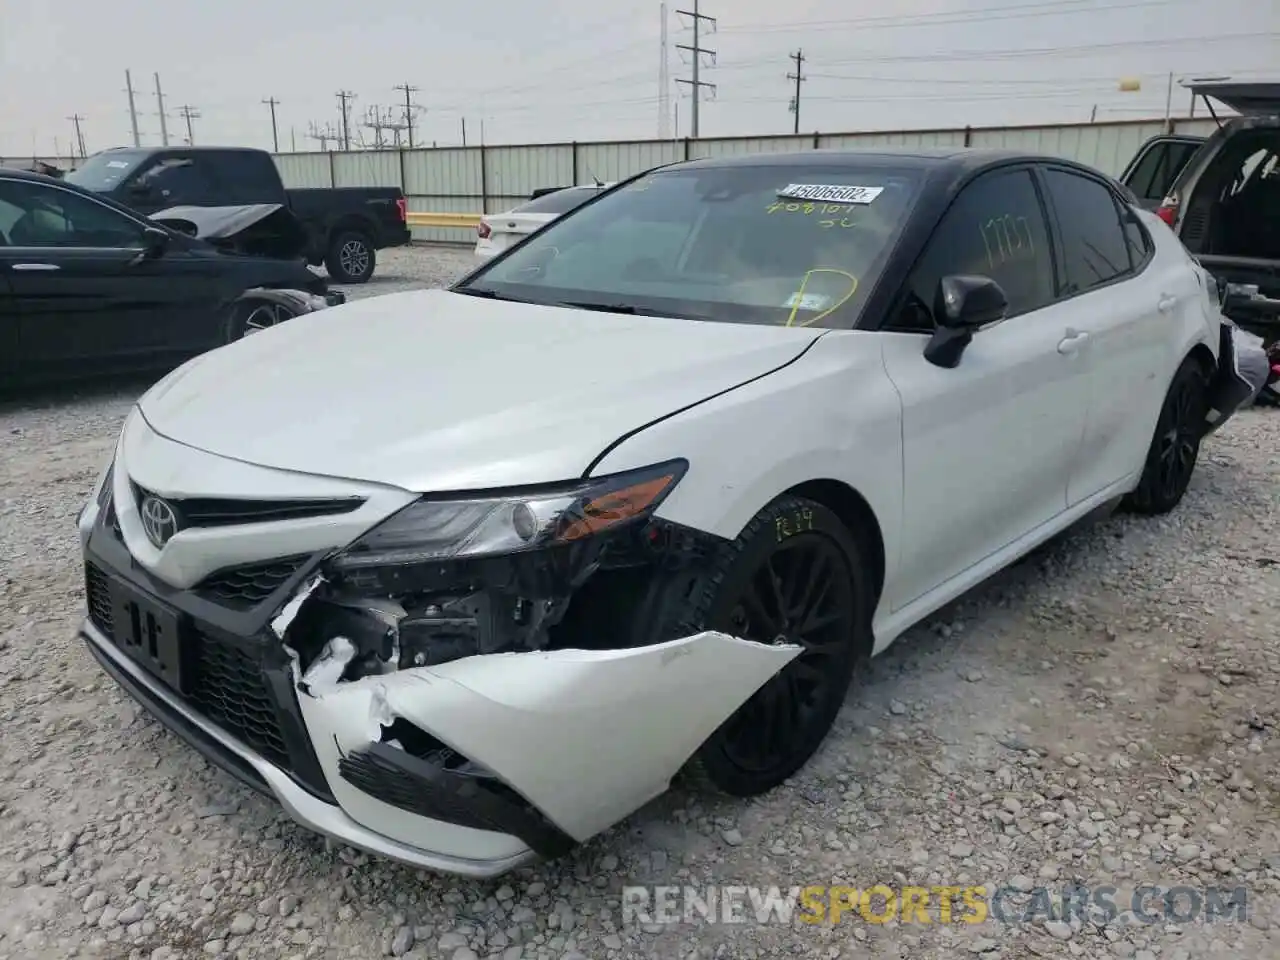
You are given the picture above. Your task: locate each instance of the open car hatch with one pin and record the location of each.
(1248, 98)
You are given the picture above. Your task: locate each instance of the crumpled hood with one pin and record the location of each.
(433, 390)
(213, 223)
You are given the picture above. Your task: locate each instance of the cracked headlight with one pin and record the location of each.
(446, 528)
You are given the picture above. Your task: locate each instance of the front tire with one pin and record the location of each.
(795, 573)
(253, 316)
(351, 257)
(1175, 448)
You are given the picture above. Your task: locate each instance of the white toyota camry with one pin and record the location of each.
(463, 577)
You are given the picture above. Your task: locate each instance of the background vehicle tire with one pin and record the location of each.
(796, 572)
(351, 257)
(250, 316)
(1171, 458)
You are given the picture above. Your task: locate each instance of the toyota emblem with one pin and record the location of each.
(159, 521)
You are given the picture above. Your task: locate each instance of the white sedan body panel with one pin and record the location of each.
(552, 723)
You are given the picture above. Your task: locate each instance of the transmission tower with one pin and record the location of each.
(696, 52)
(75, 120)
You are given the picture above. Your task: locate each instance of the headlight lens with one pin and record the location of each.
(434, 529)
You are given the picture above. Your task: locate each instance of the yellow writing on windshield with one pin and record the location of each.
(799, 297)
(807, 207)
(1007, 239)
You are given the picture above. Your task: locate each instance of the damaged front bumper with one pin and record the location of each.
(471, 766)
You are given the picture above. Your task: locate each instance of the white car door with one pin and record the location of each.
(987, 445)
(1125, 304)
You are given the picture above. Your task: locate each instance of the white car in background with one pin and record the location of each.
(641, 494)
(497, 231)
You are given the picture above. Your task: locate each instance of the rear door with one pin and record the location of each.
(1154, 168)
(1124, 304)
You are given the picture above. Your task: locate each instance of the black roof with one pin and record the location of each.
(879, 156)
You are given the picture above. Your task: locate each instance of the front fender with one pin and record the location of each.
(832, 415)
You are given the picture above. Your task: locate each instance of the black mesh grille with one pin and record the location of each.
(243, 588)
(230, 690)
(98, 599)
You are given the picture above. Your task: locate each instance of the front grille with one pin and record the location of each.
(244, 587)
(98, 599)
(230, 690)
(208, 512)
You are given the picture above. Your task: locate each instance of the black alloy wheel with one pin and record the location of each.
(1175, 447)
(795, 577)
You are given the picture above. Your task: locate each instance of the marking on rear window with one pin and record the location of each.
(117, 164)
(1007, 239)
(833, 193)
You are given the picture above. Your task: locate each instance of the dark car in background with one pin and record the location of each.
(1221, 195)
(340, 227)
(90, 287)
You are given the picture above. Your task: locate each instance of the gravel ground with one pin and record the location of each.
(1104, 713)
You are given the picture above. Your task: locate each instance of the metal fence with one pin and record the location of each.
(491, 179)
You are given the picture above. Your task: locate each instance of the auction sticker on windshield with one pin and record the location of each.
(835, 193)
(807, 301)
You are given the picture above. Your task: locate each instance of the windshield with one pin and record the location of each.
(787, 245)
(103, 171)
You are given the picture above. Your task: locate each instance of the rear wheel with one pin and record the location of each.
(1175, 448)
(351, 257)
(794, 575)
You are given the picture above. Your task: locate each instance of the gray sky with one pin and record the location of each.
(567, 69)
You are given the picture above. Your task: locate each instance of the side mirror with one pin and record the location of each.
(154, 242)
(962, 305)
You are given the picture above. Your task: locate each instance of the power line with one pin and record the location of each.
(696, 50)
(799, 78)
(1040, 8)
(189, 113)
(343, 97)
(272, 102)
(408, 109)
(75, 120)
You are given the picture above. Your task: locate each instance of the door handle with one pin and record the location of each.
(1166, 303)
(36, 266)
(1072, 342)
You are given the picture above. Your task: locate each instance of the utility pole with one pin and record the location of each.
(272, 102)
(464, 131)
(189, 113)
(343, 97)
(164, 126)
(408, 109)
(79, 141)
(293, 140)
(133, 108)
(697, 50)
(664, 76)
(798, 57)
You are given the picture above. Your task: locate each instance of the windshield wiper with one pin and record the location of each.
(486, 294)
(630, 309)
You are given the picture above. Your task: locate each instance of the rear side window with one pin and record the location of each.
(562, 201)
(1159, 167)
(1095, 247)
